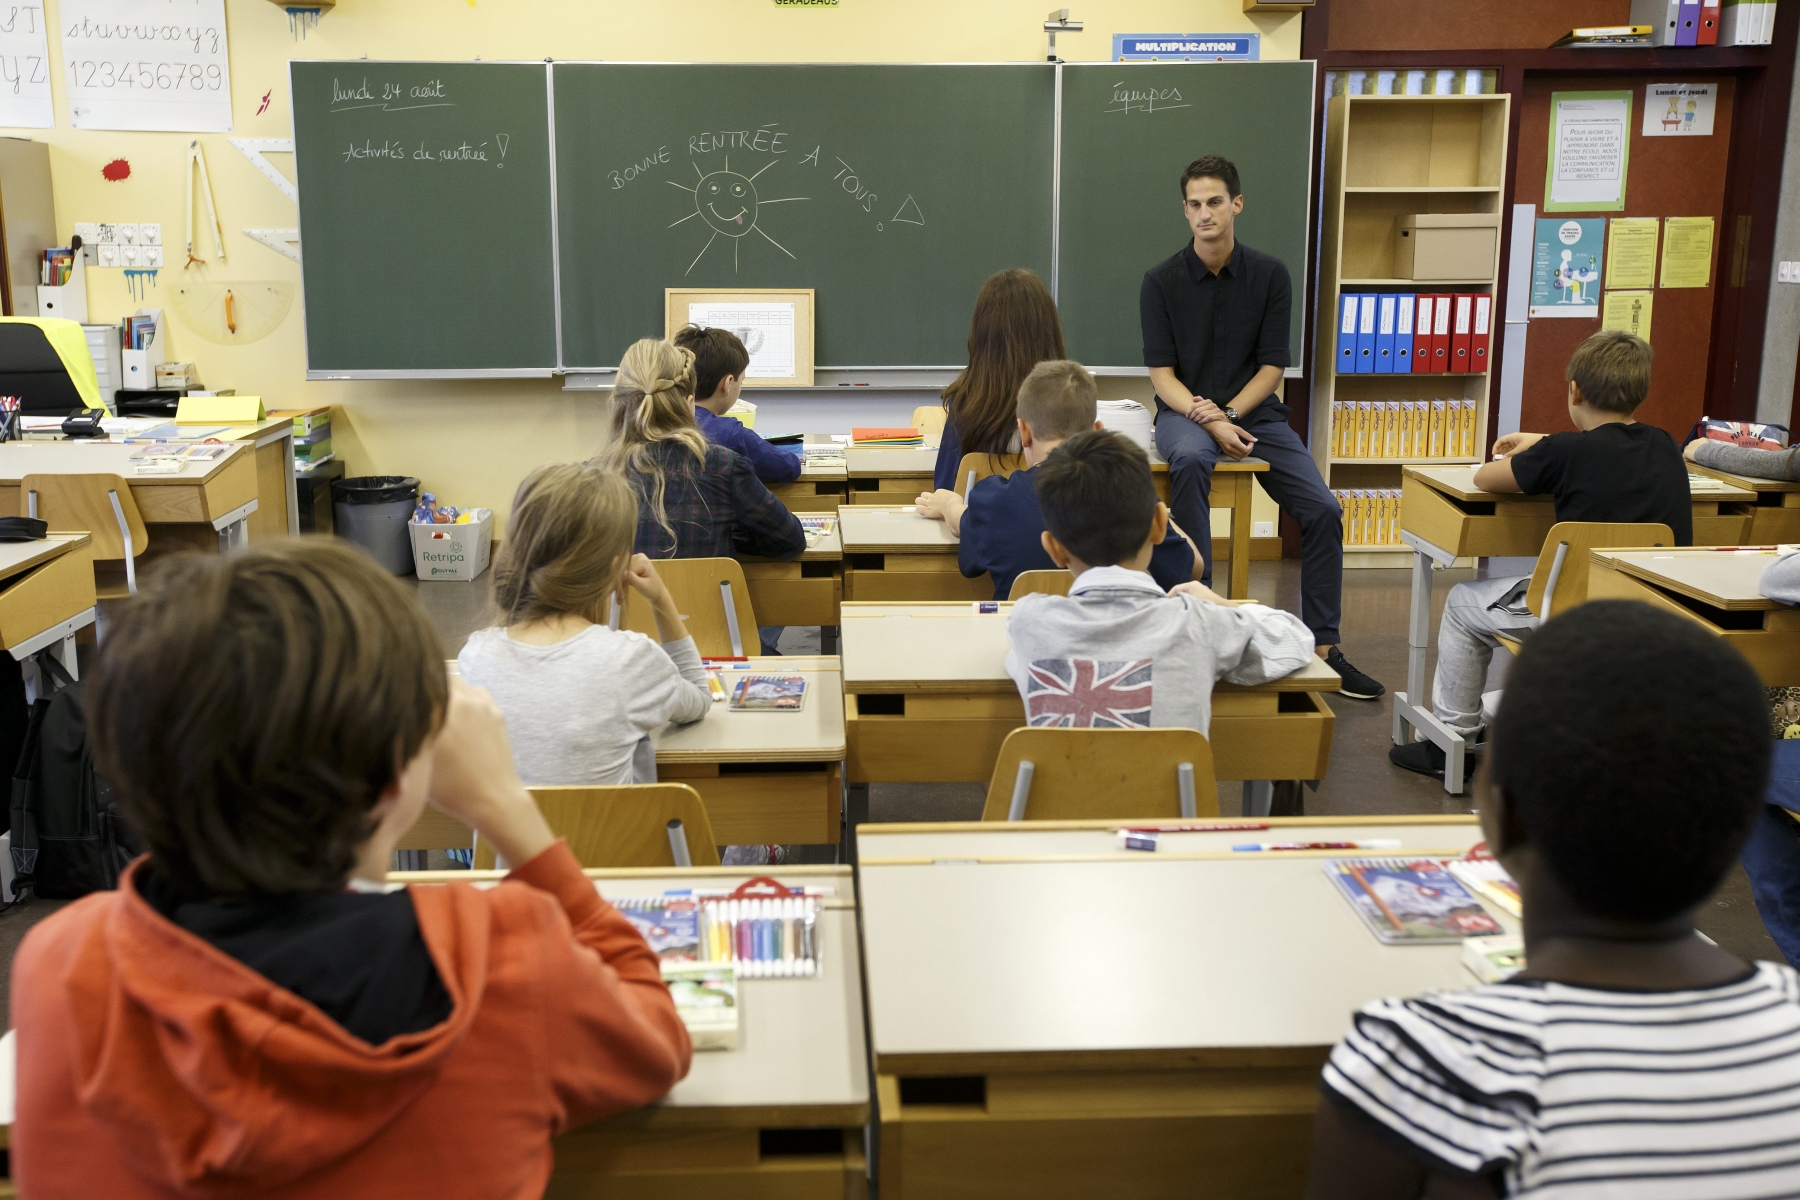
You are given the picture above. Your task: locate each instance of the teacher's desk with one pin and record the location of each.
(1717, 588)
(1115, 1024)
(928, 700)
(1445, 517)
(206, 506)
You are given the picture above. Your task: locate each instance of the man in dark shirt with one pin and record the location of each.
(1610, 468)
(1215, 321)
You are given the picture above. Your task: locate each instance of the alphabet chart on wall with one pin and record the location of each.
(146, 64)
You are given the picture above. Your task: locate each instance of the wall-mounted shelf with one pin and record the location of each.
(1460, 460)
(1417, 285)
(1355, 191)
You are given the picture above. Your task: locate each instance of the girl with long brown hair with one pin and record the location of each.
(1015, 327)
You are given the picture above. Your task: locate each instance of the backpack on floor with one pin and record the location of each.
(67, 836)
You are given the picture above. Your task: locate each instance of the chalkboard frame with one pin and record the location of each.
(927, 376)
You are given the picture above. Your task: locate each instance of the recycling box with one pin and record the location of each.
(457, 552)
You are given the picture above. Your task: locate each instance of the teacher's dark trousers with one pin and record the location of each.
(1292, 480)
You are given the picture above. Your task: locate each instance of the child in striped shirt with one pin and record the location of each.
(1631, 1057)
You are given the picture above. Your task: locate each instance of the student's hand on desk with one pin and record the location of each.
(1688, 451)
(474, 780)
(1200, 591)
(1232, 440)
(936, 505)
(1510, 444)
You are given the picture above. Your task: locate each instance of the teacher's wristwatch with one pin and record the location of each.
(1231, 414)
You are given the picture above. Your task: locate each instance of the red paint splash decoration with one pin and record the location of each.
(116, 170)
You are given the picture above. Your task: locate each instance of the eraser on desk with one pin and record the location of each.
(980, 607)
(1136, 839)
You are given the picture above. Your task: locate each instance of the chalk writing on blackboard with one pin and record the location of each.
(388, 97)
(1127, 99)
(728, 203)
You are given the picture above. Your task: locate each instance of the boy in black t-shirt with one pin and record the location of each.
(1610, 468)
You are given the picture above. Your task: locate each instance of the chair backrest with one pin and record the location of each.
(1101, 774)
(976, 467)
(73, 502)
(928, 419)
(1050, 583)
(624, 826)
(1571, 576)
(695, 584)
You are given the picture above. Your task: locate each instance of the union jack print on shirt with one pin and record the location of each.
(1088, 693)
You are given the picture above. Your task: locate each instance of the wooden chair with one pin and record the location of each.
(1561, 579)
(1050, 583)
(713, 598)
(928, 419)
(626, 826)
(975, 467)
(103, 506)
(1047, 774)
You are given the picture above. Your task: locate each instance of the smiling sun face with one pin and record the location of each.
(727, 202)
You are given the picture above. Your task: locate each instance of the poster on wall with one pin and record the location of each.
(146, 65)
(25, 68)
(1679, 109)
(1565, 267)
(1629, 311)
(1590, 144)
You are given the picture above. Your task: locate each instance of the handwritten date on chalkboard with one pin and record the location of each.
(388, 97)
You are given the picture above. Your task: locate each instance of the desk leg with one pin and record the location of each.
(828, 639)
(1239, 588)
(1417, 713)
(856, 812)
(293, 487)
(1259, 797)
(234, 536)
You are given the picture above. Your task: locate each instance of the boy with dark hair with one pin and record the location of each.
(1609, 468)
(254, 1011)
(1116, 652)
(720, 361)
(1632, 1057)
(1000, 528)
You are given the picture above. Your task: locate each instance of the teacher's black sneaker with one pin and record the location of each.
(1423, 758)
(1352, 682)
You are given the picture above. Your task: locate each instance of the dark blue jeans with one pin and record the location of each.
(1293, 481)
(1772, 860)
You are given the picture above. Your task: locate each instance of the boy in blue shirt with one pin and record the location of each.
(1000, 526)
(719, 363)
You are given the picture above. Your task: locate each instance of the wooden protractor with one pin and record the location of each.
(229, 313)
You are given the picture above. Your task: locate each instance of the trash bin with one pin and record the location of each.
(373, 511)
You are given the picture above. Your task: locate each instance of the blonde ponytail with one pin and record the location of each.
(652, 403)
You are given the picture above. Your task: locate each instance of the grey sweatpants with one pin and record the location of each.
(1473, 614)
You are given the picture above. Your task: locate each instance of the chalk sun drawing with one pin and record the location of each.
(727, 203)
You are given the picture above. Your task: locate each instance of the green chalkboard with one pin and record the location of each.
(1128, 129)
(425, 216)
(894, 191)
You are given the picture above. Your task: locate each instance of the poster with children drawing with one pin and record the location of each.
(1565, 267)
(1679, 109)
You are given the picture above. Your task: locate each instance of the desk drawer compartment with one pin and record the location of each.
(765, 802)
(927, 739)
(767, 1164)
(1473, 528)
(1292, 743)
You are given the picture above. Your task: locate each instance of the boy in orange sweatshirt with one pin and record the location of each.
(253, 1012)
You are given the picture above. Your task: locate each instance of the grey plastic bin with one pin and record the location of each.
(373, 511)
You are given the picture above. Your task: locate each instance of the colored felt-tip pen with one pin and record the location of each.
(1359, 844)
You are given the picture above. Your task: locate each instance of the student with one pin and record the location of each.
(719, 363)
(1632, 1057)
(581, 699)
(1116, 652)
(253, 1012)
(1610, 468)
(1001, 528)
(1745, 460)
(695, 500)
(1015, 327)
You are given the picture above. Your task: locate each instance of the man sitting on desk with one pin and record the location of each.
(1001, 527)
(1215, 321)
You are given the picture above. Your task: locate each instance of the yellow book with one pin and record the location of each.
(1337, 428)
(1398, 499)
(1421, 428)
(1393, 517)
(1439, 410)
(1343, 499)
(1384, 445)
(1360, 447)
(1347, 438)
(1354, 517)
(1468, 428)
(1406, 428)
(1396, 447)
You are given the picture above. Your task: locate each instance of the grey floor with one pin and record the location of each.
(1361, 780)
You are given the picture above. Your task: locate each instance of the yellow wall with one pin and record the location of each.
(472, 441)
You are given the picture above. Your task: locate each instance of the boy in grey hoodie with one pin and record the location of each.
(1117, 652)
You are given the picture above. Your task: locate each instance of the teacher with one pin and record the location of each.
(1215, 320)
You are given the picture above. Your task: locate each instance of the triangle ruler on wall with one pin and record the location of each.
(230, 313)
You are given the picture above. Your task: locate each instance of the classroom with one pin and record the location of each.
(835, 598)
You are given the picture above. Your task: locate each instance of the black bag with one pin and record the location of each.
(67, 836)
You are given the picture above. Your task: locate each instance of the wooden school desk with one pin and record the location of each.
(277, 512)
(781, 1115)
(928, 700)
(889, 475)
(800, 591)
(1122, 1024)
(1445, 517)
(1717, 589)
(893, 553)
(820, 489)
(46, 594)
(766, 776)
(206, 507)
(1776, 515)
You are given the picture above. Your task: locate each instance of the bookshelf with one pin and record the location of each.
(1387, 157)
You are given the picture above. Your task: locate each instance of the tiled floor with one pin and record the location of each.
(1361, 780)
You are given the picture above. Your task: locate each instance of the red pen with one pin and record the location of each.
(1359, 844)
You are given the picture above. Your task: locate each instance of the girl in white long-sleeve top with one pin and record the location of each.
(581, 699)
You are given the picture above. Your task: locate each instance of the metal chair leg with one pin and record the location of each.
(1021, 790)
(1184, 778)
(678, 844)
